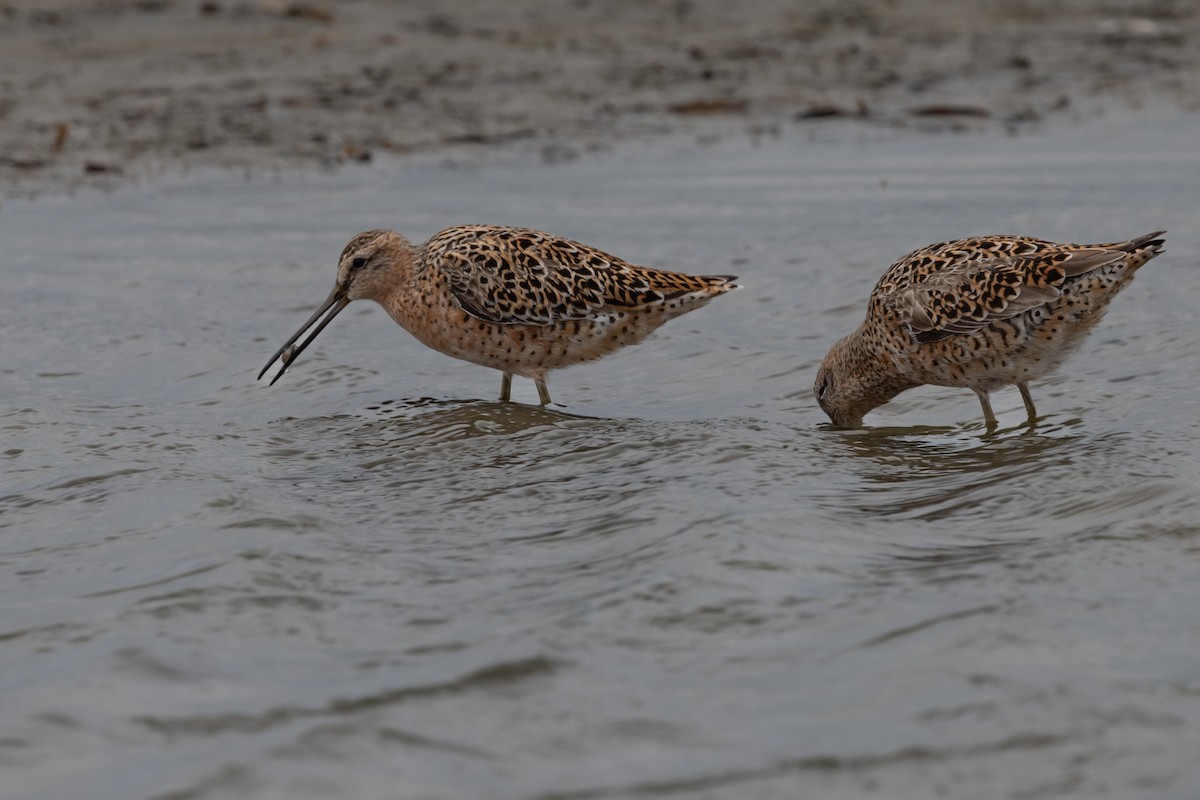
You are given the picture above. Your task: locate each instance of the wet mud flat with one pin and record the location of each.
(100, 92)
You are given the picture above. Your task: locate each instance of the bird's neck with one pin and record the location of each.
(395, 281)
(406, 291)
(878, 377)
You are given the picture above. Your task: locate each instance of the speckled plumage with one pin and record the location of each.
(514, 299)
(977, 313)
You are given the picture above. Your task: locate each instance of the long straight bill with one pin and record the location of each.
(290, 350)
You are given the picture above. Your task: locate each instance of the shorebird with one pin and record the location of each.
(514, 299)
(977, 313)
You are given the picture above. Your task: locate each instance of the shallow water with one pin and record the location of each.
(371, 580)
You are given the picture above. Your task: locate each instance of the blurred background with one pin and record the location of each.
(93, 89)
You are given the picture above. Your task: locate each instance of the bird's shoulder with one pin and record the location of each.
(960, 286)
(525, 276)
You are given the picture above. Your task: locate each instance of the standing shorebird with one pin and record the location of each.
(514, 299)
(980, 313)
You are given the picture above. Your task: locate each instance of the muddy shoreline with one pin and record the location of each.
(99, 93)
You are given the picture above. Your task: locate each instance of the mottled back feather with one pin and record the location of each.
(957, 288)
(524, 276)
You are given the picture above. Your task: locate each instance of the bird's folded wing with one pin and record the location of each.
(965, 296)
(530, 278)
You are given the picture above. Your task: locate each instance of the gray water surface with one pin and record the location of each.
(373, 581)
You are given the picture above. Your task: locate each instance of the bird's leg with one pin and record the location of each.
(543, 392)
(989, 418)
(1024, 387)
(506, 387)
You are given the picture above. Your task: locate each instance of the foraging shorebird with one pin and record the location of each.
(514, 299)
(978, 313)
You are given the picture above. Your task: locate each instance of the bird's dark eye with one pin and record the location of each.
(358, 262)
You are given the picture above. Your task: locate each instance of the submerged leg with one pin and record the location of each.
(1024, 387)
(543, 392)
(506, 387)
(989, 418)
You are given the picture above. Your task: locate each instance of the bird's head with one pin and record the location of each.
(371, 265)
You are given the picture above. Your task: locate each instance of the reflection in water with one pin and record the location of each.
(440, 420)
(953, 502)
(682, 585)
(929, 474)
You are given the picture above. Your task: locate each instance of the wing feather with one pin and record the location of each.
(959, 287)
(523, 276)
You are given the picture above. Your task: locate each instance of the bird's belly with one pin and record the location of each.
(1004, 353)
(528, 350)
